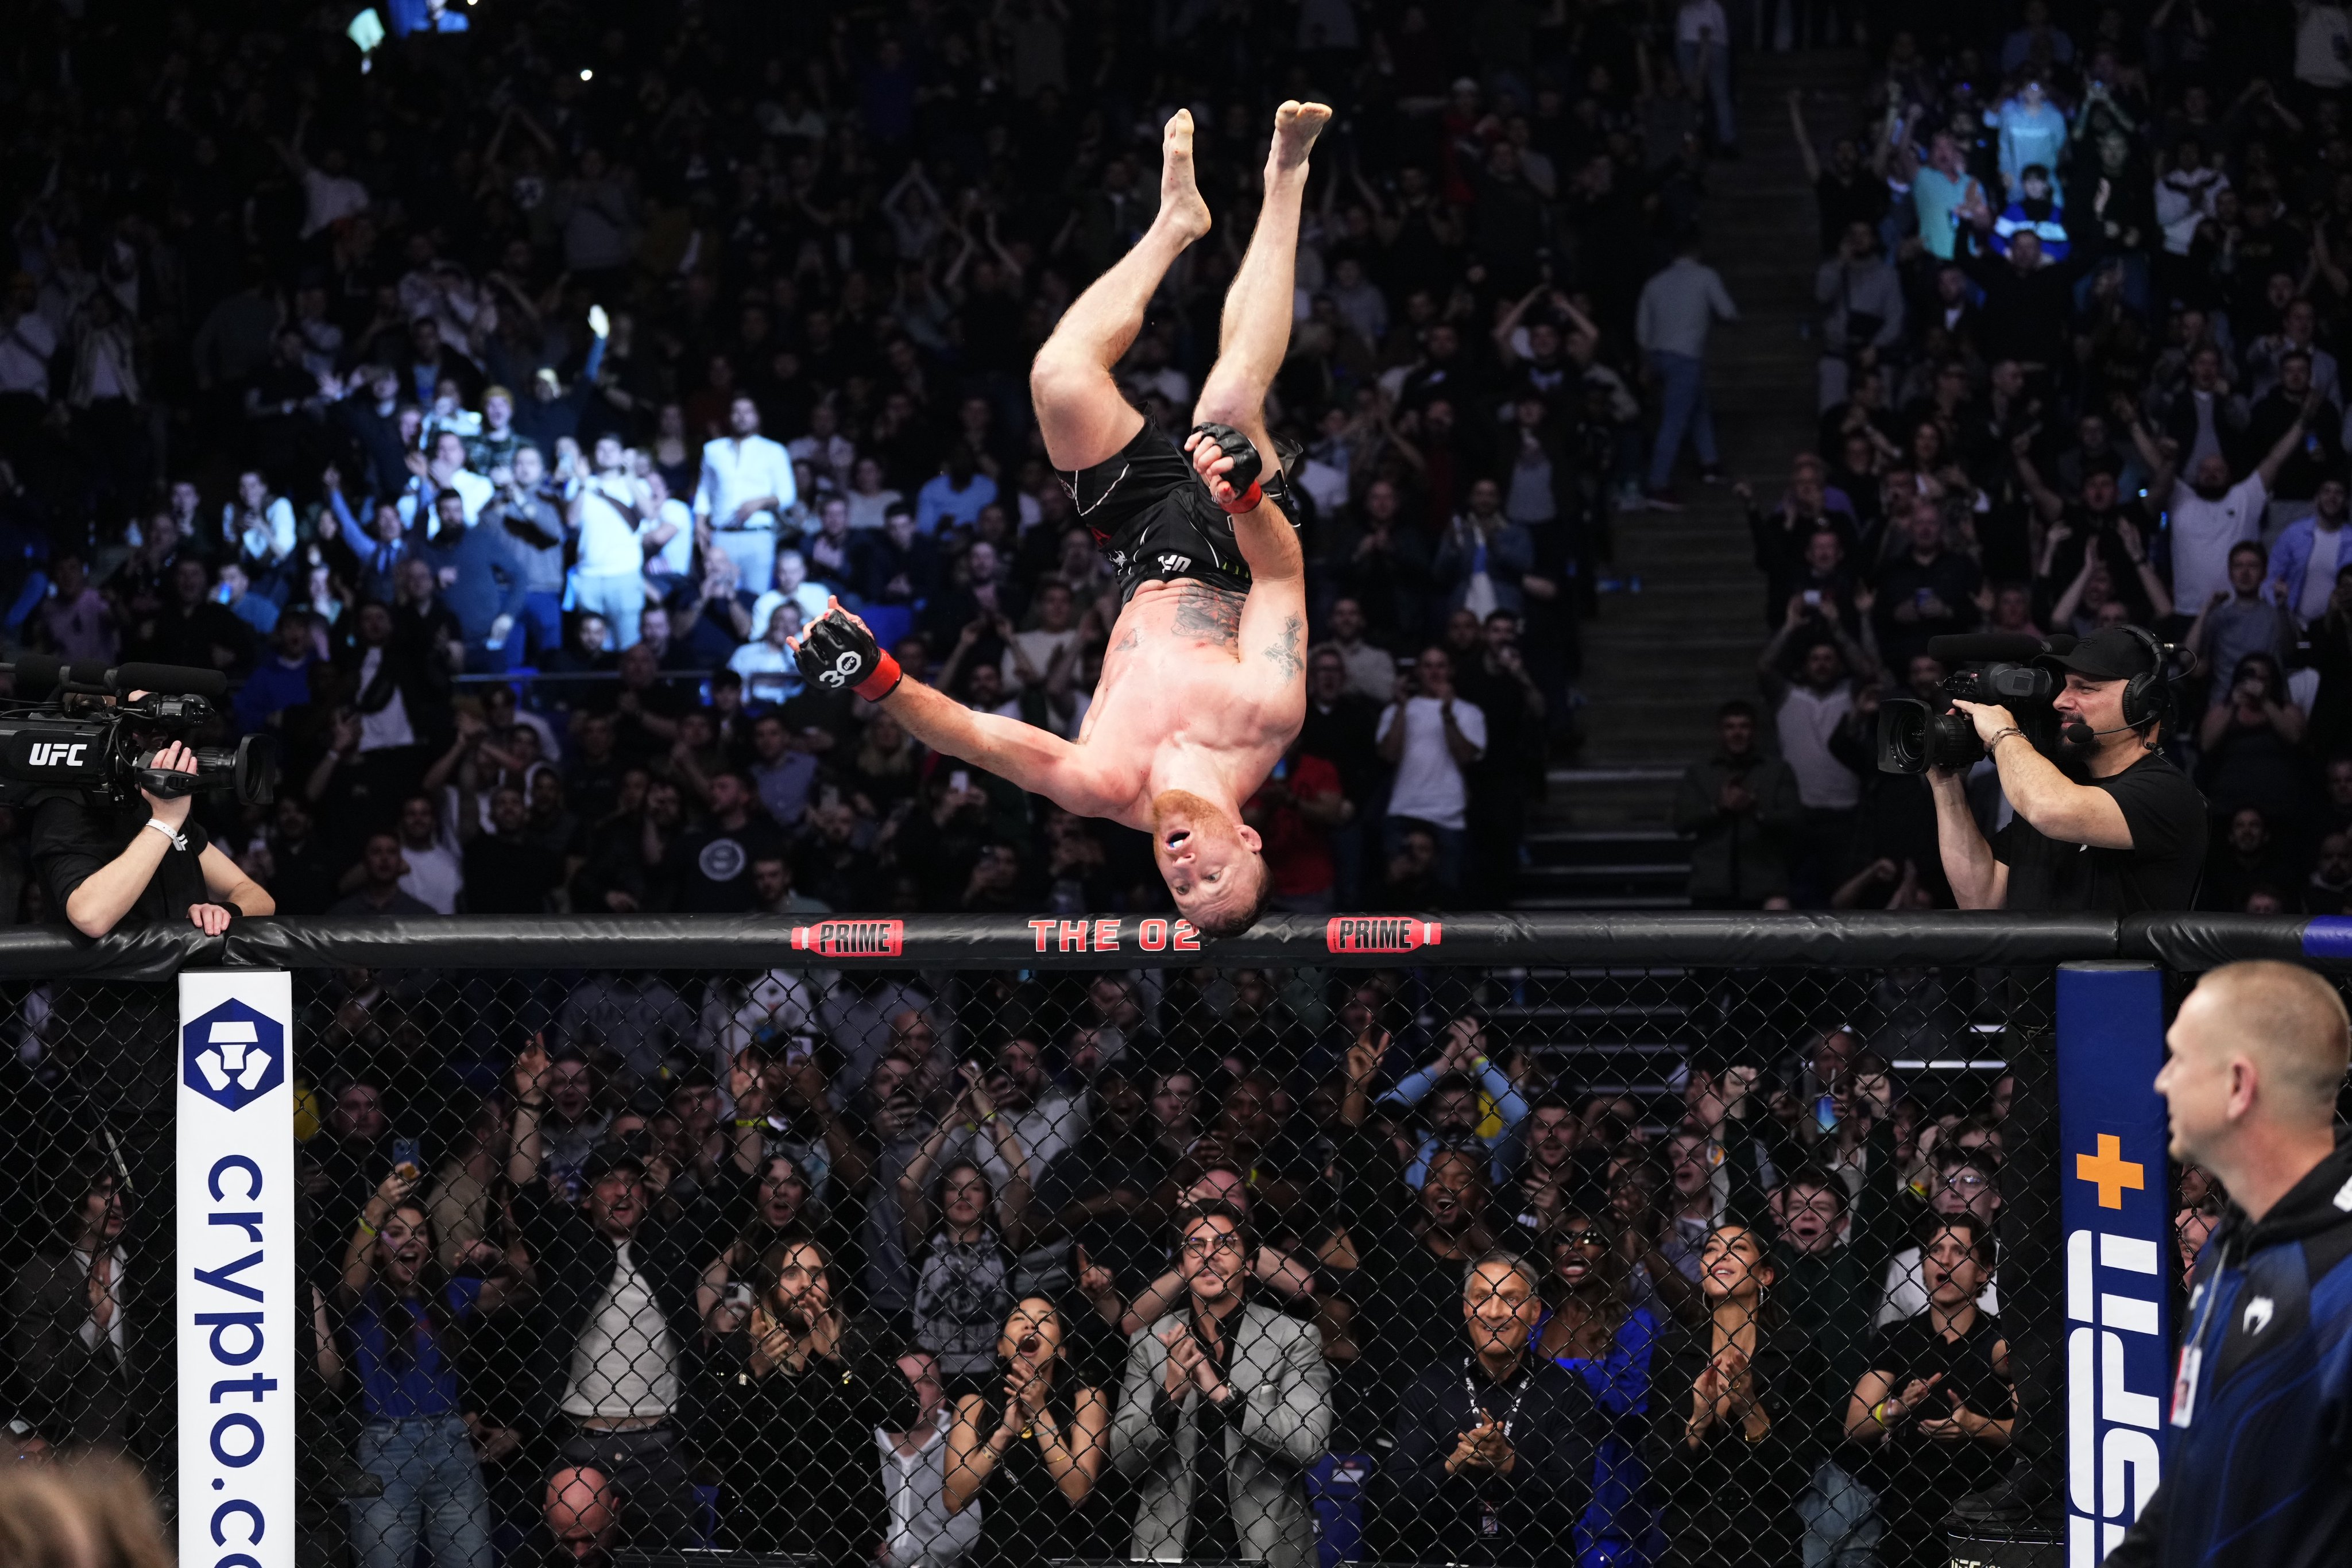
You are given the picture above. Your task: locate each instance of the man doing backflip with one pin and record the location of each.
(1201, 687)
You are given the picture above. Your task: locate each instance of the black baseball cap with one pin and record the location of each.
(2110, 653)
(613, 1155)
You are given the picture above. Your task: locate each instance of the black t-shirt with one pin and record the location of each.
(73, 841)
(712, 866)
(510, 876)
(2167, 818)
(1921, 1474)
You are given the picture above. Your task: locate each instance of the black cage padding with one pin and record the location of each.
(686, 942)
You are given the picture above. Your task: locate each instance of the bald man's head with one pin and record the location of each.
(2258, 1047)
(584, 1512)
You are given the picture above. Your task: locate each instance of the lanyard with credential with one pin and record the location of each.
(1476, 1410)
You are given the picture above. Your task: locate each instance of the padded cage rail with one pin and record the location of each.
(2183, 942)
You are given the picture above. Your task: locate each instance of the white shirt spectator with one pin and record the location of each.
(25, 349)
(676, 556)
(1807, 718)
(608, 540)
(437, 874)
(1428, 781)
(388, 725)
(2323, 45)
(270, 537)
(1371, 672)
(417, 502)
(329, 199)
(1041, 645)
(769, 674)
(2185, 198)
(2319, 573)
(922, 1533)
(734, 472)
(810, 596)
(2202, 534)
(626, 1363)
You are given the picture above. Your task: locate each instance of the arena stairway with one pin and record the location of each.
(1660, 660)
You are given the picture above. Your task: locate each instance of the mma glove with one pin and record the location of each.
(838, 652)
(1247, 465)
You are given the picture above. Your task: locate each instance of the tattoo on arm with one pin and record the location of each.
(1285, 654)
(1209, 612)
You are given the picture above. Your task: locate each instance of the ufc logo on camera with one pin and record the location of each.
(234, 1294)
(57, 754)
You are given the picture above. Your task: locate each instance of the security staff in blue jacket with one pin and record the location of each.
(2258, 1446)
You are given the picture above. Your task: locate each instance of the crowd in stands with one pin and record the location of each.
(1214, 1265)
(2080, 289)
(494, 415)
(598, 348)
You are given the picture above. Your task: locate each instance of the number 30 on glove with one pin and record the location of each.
(837, 651)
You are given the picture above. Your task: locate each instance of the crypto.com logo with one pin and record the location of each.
(232, 1055)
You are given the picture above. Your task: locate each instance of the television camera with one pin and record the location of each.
(79, 728)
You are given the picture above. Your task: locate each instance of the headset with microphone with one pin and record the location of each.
(2147, 696)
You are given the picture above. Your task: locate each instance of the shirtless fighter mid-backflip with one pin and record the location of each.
(1201, 687)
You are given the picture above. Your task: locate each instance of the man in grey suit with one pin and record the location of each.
(1226, 1404)
(77, 1355)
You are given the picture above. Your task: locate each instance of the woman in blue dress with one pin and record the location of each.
(1592, 1327)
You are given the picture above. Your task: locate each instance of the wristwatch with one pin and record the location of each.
(179, 840)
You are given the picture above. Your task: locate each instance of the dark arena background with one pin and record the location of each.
(572, 1089)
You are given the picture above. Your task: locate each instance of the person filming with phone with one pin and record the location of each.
(2110, 825)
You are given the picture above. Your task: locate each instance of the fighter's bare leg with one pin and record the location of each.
(1254, 332)
(1080, 410)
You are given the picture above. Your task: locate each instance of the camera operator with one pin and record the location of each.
(2112, 826)
(100, 863)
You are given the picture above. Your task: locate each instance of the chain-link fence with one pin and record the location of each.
(1681, 1240)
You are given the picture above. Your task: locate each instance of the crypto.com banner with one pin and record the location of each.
(234, 1294)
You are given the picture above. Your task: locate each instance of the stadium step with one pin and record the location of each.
(1658, 664)
(1605, 868)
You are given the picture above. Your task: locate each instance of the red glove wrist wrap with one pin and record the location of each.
(883, 681)
(1246, 501)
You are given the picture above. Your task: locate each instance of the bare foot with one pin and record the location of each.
(1181, 206)
(1296, 127)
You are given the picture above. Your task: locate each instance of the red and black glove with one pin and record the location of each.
(838, 651)
(1247, 465)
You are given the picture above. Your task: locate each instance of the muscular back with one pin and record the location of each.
(1190, 683)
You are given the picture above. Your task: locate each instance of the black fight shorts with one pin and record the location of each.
(1153, 517)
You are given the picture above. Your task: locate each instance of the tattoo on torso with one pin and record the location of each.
(1213, 613)
(1283, 651)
